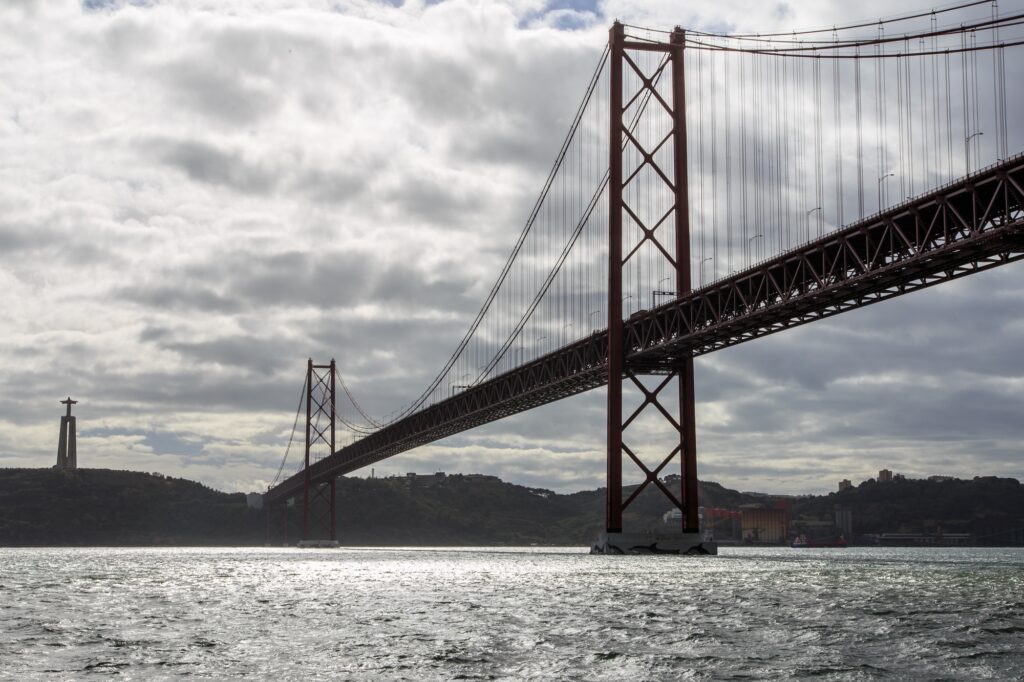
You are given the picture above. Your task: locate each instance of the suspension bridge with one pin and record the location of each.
(712, 189)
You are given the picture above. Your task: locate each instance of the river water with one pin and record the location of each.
(368, 614)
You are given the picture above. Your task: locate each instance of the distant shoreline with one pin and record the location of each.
(96, 508)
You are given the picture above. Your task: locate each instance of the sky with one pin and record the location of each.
(198, 195)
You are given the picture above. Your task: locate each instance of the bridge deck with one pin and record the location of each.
(965, 227)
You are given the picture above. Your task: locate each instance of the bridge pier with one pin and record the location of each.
(652, 542)
(275, 535)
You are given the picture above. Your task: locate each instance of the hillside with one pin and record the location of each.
(103, 507)
(480, 510)
(984, 506)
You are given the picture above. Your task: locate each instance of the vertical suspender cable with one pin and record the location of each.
(860, 137)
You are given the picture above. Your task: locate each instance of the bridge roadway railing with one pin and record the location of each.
(967, 226)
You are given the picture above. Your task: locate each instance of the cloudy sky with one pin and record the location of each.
(197, 195)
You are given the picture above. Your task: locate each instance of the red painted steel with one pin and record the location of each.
(684, 285)
(321, 491)
(334, 415)
(613, 498)
(619, 367)
(968, 226)
(305, 468)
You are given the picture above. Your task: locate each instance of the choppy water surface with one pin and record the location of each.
(484, 614)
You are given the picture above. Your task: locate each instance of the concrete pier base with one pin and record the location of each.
(321, 544)
(653, 543)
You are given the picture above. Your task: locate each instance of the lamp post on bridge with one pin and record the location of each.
(660, 292)
(702, 262)
(967, 149)
(883, 185)
(808, 218)
(749, 252)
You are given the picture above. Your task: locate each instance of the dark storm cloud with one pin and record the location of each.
(529, 135)
(218, 375)
(343, 279)
(241, 351)
(564, 426)
(179, 296)
(285, 279)
(497, 143)
(247, 281)
(206, 163)
(280, 173)
(214, 88)
(331, 186)
(910, 412)
(389, 360)
(930, 333)
(68, 241)
(155, 333)
(721, 381)
(196, 389)
(160, 442)
(297, 279)
(734, 470)
(430, 199)
(441, 87)
(15, 237)
(901, 383)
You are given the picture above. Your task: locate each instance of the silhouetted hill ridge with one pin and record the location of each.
(105, 507)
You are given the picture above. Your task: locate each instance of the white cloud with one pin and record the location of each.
(195, 196)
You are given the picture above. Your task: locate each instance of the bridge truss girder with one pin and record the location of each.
(974, 224)
(951, 232)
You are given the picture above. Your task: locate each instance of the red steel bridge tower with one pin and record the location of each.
(319, 508)
(661, 158)
(318, 500)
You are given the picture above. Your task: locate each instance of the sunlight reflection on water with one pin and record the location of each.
(491, 613)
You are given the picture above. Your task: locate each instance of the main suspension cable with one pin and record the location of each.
(298, 411)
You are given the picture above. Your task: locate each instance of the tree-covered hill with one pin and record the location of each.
(982, 506)
(103, 507)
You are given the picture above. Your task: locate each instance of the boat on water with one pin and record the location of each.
(803, 542)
